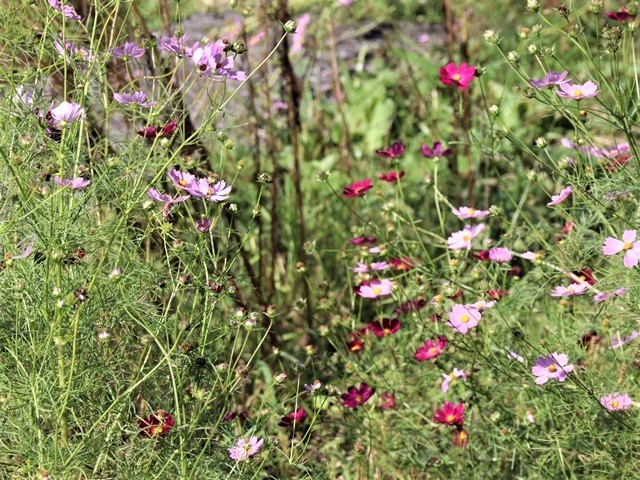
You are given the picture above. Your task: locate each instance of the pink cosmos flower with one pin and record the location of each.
(361, 268)
(553, 366)
(357, 189)
(245, 449)
(448, 378)
(431, 349)
(66, 113)
(571, 290)
(577, 92)
(561, 197)
(482, 305)
(135, 98)
(181, 179)
(435, 152)
(500, 255)
(176, 45)
(386, 327)
(201, 188)
(462, 239)
(150, 133)
(617, 342)
(601, 297)
(628, 244)
(168, 200)
(467, 212)
(211, 60)
(356, 397)
(463, 318)
(128, 50)
(531, 256)
(515, 357)
(75, 183)
(297, 39)
(391, 177)
(388, 401)
(314, 387)
(363, 241)
(379, 266)
(67, 10)
(450, 414)
(615, 402)
(552, 78)
(375, 288)
(394, 151)
(461, 76)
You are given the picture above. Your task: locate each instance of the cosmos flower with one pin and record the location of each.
(150, 133)
(75, 183)
(357, 189)
(615, 402)
(462, 239)
(513, 355)
(401, 264)
(294, 418)
(168, 200)
(181, 179)
(135, 98)
(467, 212)
(65, 114)
(375, 288)
(553, 366)
(128, 50)
(617, 342)
(621, 15)
(628, 244)
(157, 424)
(175, 45)
(394, 151)
(387, 401)
(245, 449)
(450, 414)
(201, 188)
(67, 10)
(460, 76)
(577, 92)
(460, 438)
(356, 397)
(212, 61)
(552, 78)
(431, 349)
(391, 177)
(203, 225)
(448, 378)
(571, 290)
(384, 327)
(435, 152)
(500, 255)
(561, 197)
(463, 318)
(363, 241)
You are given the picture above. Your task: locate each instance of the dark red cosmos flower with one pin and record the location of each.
(388, 326)
(357, 396)
(363, 241)
(436, 151)
(450, 414)
(497, 294)
(394, 151)
(431, 349)
(621, 15)
(401, 264)
(456, 295)
(585, 275)
(231, 415)
(482, 255)
(74, 257)
(388, 400)
(590, 340)
(391, 177)
(618, 162)
(568, 227)
(294, 418)
(157, 424)
(355, 345)
(357, 189)
(151, 133)
(414, 305)
(460, 438)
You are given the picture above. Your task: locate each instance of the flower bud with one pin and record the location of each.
(290, 26)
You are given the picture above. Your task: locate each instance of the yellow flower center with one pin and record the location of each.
(472, 211)
(182, 182)
(464, 318)
(577, 93)
(552, 369)
(432, 350)
(377, 290)
(387, 331)
(457, 77)
(466, 237)
(450, 418)
(359, 399)
(452, 376)
(627, 246)
(615, 404)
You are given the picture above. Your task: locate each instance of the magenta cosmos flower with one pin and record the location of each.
(552, 78)
(628, 244)
(431, 349)
(150, 133)
(245, 449)
(577, 92)
(561, 197)
(571, 290)
(66, 113)
(467, 212)
(462, 239)
(388, 401)
(357, 189)
(463, 318)
(394, 151)
(615, 402)
(621, 15)
(461, 76)
(385, 327)
(135, 98)
(435, 152)
(294, 418)
(375, 288)
(75, 183)
(450, 414)
(553, 366)
(391, 177)
(357, 396)
(500, 255)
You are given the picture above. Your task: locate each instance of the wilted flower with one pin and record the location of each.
(615, 402)
(461, 76)
(561, 197)
(577, 92)
(168, 200)
(75, 183)
(357, 396)
(628, 244)
(553, 366)
(157, 424)
(245, 449)
(450, 414)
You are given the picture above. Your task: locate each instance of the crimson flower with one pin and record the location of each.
(355, 344)
(621, 15)
(157, 424)
(394, 151)
(294, 418)
(431, 349)
(357, 396)
(357, 189)
(450, 414)
(401, 264)
(414, 305)
(151, 133)
(460, 76)
(391, 177)
(363, 241)
(585, 275)
(385, 327)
